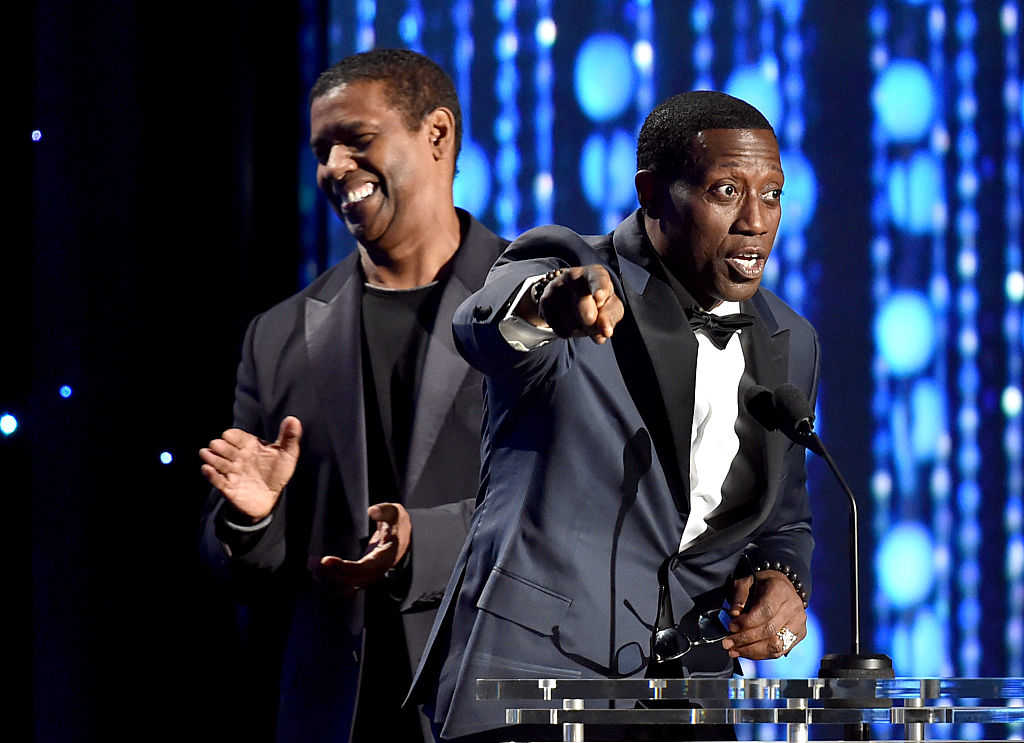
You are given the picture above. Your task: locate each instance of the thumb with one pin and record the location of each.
(740, 595)
(289, 435)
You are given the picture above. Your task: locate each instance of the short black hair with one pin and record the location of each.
(665, 138)
(415, 84)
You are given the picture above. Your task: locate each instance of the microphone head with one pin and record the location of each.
(762, 407)
(793, 411)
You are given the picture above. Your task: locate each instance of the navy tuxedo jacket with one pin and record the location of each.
(585, 480)
(304, 358)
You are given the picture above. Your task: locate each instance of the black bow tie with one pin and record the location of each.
(718, 327)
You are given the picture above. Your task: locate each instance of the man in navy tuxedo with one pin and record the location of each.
(617, 433)
(344, 489)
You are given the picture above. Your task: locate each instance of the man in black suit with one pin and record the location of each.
(630, 470)
(344, 489)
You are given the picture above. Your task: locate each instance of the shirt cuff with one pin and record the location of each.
(517, 332)
(248, 529)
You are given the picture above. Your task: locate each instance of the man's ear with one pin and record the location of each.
(647, 192)
(440, 126)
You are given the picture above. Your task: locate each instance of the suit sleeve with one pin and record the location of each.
(437, 537)
(786, 536)
(225, 551)
(475, 323)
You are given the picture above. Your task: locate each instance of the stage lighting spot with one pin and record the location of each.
(801, 193)
(472, 187)
(1015, 286)
(755, 85)
(643, 55)
(881, 485)
(928, 418)
(905, 332)
(802, 661)
(546, 32)
(409, 27)
(36, 135)
(507, 45)
(166, 457)
(1011, 401)
(927, 637)
(904, 99)
(1015, 557)
(607, 169)
(904, 564)
(915, 192)
(543, 186)
(603, 76)
(8, 424)
(65, 391)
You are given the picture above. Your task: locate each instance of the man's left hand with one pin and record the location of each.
(387, 546)
(759, 612)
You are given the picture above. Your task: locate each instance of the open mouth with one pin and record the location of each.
(357, 195)
(747, 265)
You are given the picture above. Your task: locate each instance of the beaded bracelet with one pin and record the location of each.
(540, 284)
(790, 574)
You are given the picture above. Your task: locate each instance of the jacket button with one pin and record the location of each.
(481, 312)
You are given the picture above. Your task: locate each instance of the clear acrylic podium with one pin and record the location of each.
(795, 704)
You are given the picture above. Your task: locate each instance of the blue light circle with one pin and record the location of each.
(927, 641)
(37, 135)
(928, 418)
(905, 332)
(801, 193)
(472, 187)
(603, 76)
(8, 424)
(64, 391)
(621, 170)
(904, 99)
(166, 457)
(904, 564)
(753, 85)
(802, 661)
(915, 190)
(607, 168)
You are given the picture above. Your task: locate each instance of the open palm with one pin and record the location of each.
(251, 473)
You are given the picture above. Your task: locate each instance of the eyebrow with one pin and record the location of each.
(738, 164)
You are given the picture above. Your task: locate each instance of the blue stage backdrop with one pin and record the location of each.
(900, 126)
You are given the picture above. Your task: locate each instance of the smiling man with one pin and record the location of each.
(339, 536)
(627, 483)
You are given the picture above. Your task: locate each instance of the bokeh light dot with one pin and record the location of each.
(166, 457)
(8, 424)
(64, 391)
(546, 32)
(1011, 401)
(904, 564)
(1015, 286)
(36, 135)
(603, 76)
(905, 332)
(904, 99)
(472, 187)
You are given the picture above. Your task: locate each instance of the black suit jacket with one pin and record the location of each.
(586, 473)
(303, 358)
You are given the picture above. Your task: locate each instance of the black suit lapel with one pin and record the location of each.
(334, 344)
(443, 373)
(660, 335)
(443, 368)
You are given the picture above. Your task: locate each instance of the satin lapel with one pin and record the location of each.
(672, 350)
(443, 374)
(334, 345)
(767, 353)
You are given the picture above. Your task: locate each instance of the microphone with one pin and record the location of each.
(787, 410)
